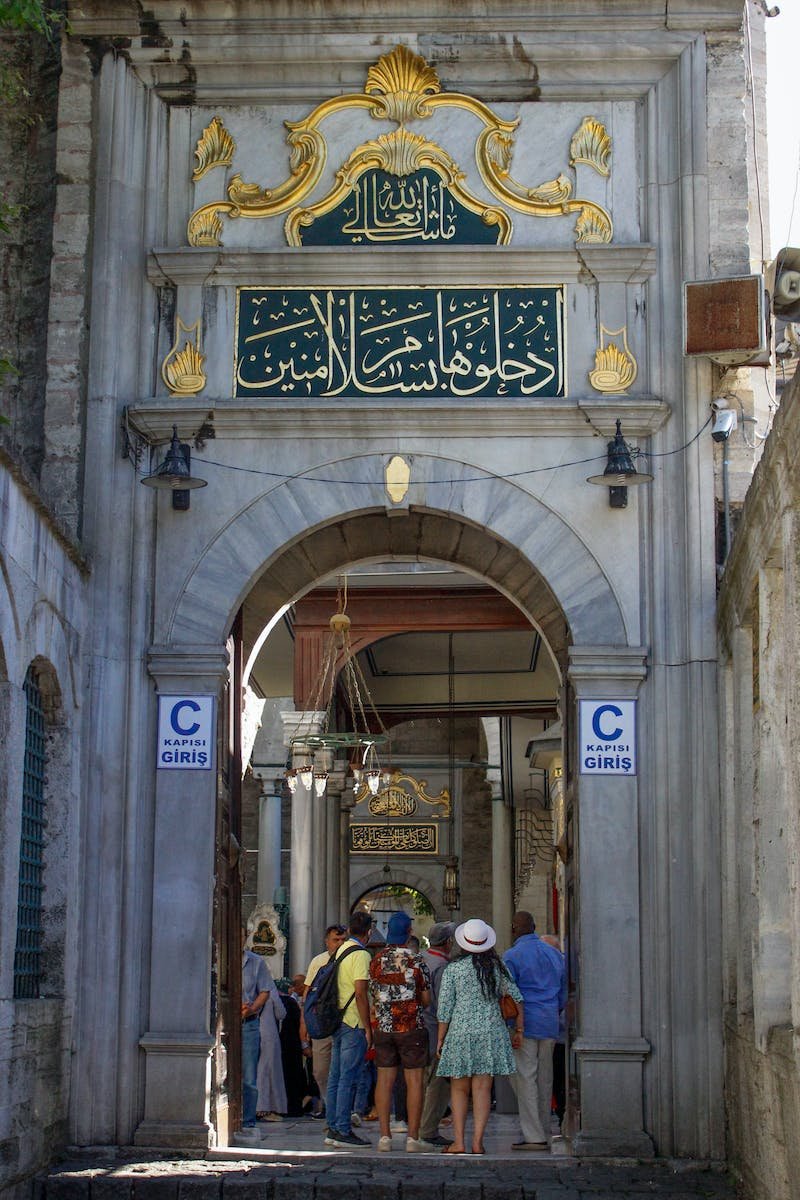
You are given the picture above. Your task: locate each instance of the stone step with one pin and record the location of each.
(123, 1175)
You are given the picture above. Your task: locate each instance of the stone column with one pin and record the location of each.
(345, 808)
(321, 804)
(502, 816)
(334, 863)
(302, 884)
(609, 1045)
(269, 835)
(178, 1042)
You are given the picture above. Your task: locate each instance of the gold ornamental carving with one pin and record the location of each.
(215, 148)
(182, 369)
(615, 368)
(400, 153)
(402, 796)
(402, 87)
(591, 145)
(401, 81)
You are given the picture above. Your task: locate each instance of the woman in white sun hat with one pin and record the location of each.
(473, 1043)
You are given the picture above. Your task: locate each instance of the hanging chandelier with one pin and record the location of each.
(361, 743)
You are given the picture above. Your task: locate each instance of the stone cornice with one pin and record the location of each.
(610, 671)
(361, 266)
(195, 663)
(775, 489)
(582, 417)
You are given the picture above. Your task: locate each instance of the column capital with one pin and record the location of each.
(298, 724)
(188, 667)
(599, 670)
(270, 776)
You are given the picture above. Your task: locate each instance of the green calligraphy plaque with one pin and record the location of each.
(417, 209)
(417, 342)
(394, 839)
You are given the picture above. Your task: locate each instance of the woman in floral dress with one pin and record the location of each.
(474, 1043)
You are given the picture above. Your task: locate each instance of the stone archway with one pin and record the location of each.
(274, 551)
(301, 531)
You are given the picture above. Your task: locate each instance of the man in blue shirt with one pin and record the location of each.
(539, 972)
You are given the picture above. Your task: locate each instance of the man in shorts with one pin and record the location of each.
(399, 989)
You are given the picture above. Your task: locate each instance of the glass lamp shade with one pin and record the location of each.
(320, 782)
(373, 781)
(291, 781)
(306, 776)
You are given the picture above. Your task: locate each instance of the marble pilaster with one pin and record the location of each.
(178, 1041)
(609, 1046)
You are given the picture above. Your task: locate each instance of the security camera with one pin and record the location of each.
(723, 424)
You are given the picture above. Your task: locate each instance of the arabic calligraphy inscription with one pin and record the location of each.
(299, 342)
(394, 839)
(385, 208)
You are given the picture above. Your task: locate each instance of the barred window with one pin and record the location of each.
(27, 957)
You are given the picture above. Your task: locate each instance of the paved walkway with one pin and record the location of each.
(290, 1162)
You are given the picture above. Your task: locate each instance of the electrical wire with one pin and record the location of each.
(484, 478)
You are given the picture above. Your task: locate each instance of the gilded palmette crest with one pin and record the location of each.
(205, 227)
(402, 87)
(182, 369)
(215, 148)
(591, 145)
(615, 367)
(593, 225)
(402, 81)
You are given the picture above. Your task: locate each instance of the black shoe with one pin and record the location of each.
(318, 1116)
(351, 1140)
(437, 1140)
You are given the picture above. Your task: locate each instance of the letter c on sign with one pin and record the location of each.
(600, 712)
(175, 723)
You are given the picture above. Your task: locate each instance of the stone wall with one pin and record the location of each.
(29, 68)
(42, 615)
(759, 627)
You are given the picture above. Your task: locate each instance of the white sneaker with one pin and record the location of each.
(399, 1127)
(384, 1144)
(416, 1146)
(355, 1119)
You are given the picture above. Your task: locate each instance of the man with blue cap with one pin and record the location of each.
(399, 990)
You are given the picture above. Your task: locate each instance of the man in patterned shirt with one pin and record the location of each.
(399, 989)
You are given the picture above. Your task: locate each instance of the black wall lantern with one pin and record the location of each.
(620, 473)
(174, 474)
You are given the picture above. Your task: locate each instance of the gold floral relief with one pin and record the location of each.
(399, 153)
(215, 148)
(402, 796)
(615, 368)
(401, 87)
(591, 145)
(182, 369)
(402, 81)
(205, 225)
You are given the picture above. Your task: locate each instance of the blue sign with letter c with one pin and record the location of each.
(598, 732)
(173, 717)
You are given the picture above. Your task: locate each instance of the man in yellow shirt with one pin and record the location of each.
(320, 1047)
(353, 1037)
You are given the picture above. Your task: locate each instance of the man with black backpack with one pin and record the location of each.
(353, 1037)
